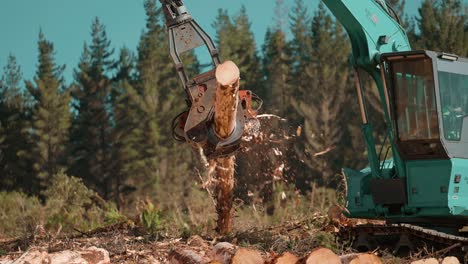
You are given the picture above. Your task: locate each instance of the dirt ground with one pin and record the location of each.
(129, 244)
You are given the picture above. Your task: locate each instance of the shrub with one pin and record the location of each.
(19, 214)
(150, 217)
(71, 205)
(113, 215)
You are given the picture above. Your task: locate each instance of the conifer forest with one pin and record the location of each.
(98, 149)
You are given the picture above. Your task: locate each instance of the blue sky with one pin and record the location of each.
(67, 24)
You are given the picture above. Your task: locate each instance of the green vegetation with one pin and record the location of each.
(151, 218)
(69, 206)
(14, 122)
(110, 127)
(90, 137)
(50, 120)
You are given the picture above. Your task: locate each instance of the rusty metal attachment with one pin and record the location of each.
(195, 125)
(185, 35)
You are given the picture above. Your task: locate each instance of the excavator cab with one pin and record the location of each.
(428, 94)
(422, 177)
(427, 100)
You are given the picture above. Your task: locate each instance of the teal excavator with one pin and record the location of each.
(424, 97)
(418, 184)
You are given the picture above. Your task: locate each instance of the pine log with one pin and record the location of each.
(223, 252)
(426, 261)
(366, 259)
(322, 256)
(247, 256)
(346, 259)
(450, 260)
(227, 97)
(286, 258)
(226, 100)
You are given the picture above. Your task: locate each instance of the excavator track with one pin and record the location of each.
(367, 237)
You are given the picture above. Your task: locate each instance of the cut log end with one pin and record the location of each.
(223, 252)
(322, 256)
(366, 259)
(247, 256)
(227, 73)
(286, 258)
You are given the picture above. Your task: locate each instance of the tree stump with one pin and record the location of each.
(226, 101)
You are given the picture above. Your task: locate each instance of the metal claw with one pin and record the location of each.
(185, 35)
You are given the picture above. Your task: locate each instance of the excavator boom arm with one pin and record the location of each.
(372, 28)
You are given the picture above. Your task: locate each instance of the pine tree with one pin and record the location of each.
(159, 98)
(276, 66)
(276, 71)
(236, 42)
(157, 88)
(128, 167)
(300, 43)
(443, 26)
(225, 29)
(14, 115)
(323, 94)
(299, 52)
(10, 83)
(300, 46)
(50, 115)
(91, 149)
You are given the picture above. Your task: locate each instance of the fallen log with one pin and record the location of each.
(247, 256)
(366, 259)
(450, 260)
(426, 261)
(226, 101)
(322, 256)
(92, 255)
(226, 253)
(223, 252)
(286, 258)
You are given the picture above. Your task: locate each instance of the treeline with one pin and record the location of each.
(111, 125)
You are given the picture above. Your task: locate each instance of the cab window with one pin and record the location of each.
(415, 103)
(454, 103)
